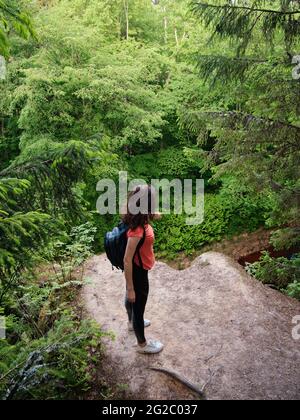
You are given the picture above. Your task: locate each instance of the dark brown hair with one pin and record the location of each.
(140, 219)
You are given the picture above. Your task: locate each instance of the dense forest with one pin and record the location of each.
(160, 89)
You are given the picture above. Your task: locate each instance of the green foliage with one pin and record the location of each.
(257, 133)
(49, 352)
(70, 253)
(280, 272)
(143, 87)
(240, 21)
(13, 17)
(22, 233)
(59, 365)
(286, 238)
(53, 169)
(169, 163)
(246, 207)
(293, 290)
(223, 215)
(109, 94)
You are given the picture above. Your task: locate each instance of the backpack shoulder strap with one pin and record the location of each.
(140, 244)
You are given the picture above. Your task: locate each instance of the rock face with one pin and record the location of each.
(219, 327)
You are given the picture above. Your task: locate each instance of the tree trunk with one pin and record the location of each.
(176, 37)
(126, 11)
(166, 26)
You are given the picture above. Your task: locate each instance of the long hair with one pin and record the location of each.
(141, 218)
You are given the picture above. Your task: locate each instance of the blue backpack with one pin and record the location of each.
(115, 243)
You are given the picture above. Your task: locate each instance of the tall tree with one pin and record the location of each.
(257, 137)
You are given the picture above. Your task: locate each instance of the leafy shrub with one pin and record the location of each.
(70, 253)
(280, 272)
(293, 290)
(286, 238)
(246, 208)
(58, 365)
(174, 235)
(49, 352)
(168, 163)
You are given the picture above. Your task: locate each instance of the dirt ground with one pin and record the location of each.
(220, 327)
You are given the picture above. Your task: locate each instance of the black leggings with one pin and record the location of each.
(136, 310)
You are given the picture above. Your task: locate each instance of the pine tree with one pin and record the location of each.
(38, 185)
(257, 137)
(22, 232)
(240, 19)
(53, 170)
(13, 18)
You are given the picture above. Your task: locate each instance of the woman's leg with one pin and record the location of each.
(128, 306)
(141, 287)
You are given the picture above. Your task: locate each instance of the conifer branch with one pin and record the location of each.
(197, 5)
(246, 119)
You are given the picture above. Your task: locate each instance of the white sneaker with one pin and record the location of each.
(152, 347)
(147, 323)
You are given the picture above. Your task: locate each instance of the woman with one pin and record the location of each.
(138, 260)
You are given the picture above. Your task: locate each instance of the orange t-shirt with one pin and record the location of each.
(146, 250)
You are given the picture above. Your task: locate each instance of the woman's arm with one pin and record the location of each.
(132, 244)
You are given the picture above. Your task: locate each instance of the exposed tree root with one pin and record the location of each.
(181, 379)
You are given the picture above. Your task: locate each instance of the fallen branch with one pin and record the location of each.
(181, 379)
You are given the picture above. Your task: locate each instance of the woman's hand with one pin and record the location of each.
(157, 216)
(131, 296)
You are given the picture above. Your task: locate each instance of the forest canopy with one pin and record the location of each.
(158, 88)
